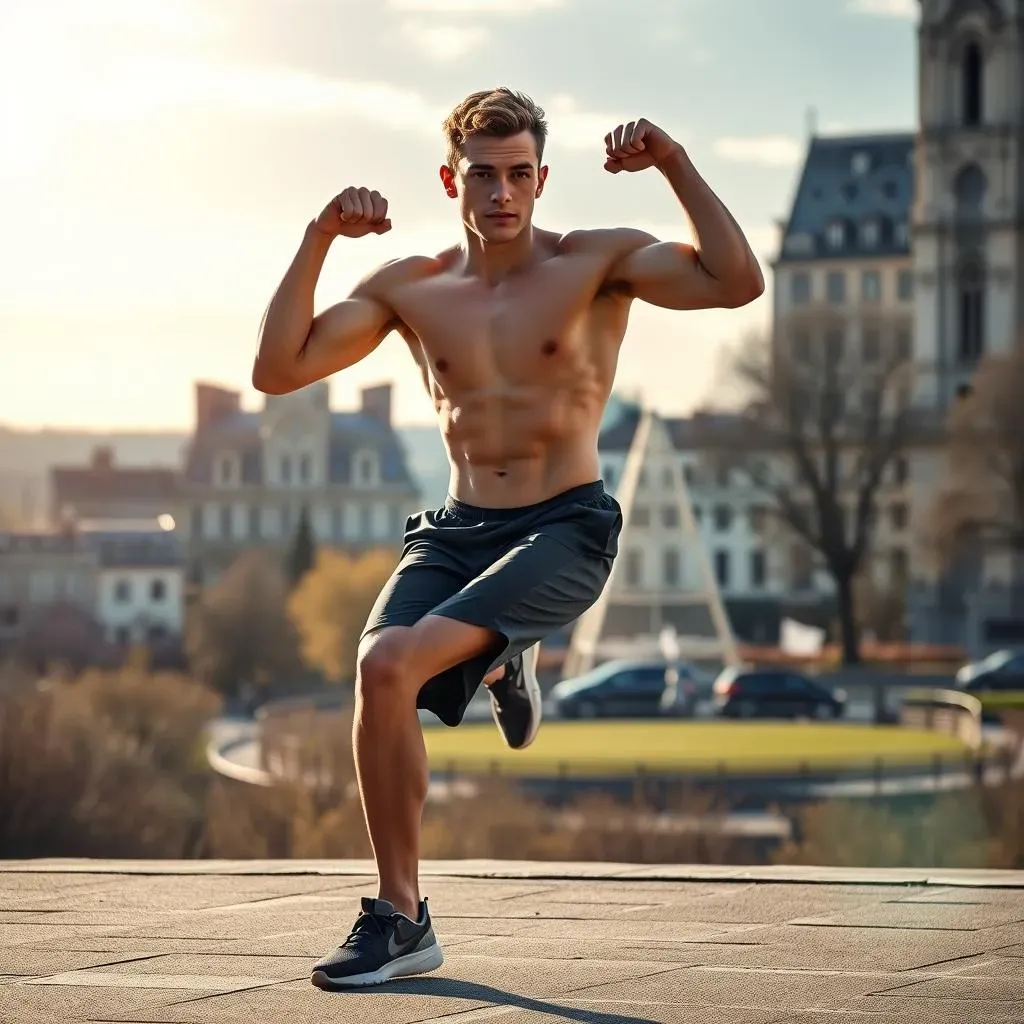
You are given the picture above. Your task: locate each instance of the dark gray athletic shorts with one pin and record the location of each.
(522, 572)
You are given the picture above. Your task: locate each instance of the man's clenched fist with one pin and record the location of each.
(353, 213)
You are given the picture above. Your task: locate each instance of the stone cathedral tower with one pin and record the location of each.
(968, 219)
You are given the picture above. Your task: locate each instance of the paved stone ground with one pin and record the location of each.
(219, 943)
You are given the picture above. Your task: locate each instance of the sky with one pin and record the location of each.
(161, 159)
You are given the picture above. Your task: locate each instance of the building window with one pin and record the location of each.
(872, 345)
(835, 235)
(286, 519)
(286, 469)
(870, 234)
(157, 591)
(365, 522)
(757, 569)
(835, 287)
(254, 522)
(670, 568)
(758, 517)
(689, 475)
(366, 469)
(972, 84)
(123, 591)
(905, 285)
(861, 163)
(227, 470)
(667, 478)
(722, 568)
(305, 467)
(902, 235)
(900, 471)
(871, 286)
(723, 518)
(898, 516)
(634, 567)
(225, 521)
(971, 313)
(698, 514)
(337, 523)
(197, 522)
(641, 516)
(670, 517)
(969, 188)
(800, 287)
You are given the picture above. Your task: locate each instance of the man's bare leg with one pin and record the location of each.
(391, 759)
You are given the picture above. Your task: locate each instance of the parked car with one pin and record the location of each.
(1003, 670)
(774, 693)
(625, 689)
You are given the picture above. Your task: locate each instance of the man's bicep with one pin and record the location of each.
(345, 333)
(666, 274)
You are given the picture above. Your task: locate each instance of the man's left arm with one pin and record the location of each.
(719, 271)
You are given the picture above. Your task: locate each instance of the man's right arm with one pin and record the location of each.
(297, 348)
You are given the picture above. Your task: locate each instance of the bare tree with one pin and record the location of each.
(821, 428)
(984, 501)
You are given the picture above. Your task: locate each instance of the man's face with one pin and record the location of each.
(497, 182)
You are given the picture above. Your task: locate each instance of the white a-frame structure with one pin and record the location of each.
(683, 618)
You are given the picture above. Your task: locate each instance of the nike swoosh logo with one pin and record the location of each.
(398, 948)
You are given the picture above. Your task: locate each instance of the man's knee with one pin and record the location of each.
(383, 665)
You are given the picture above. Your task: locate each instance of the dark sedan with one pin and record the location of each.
(1003, 670)
(774, 693)
(623, 689)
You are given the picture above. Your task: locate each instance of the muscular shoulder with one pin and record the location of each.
(609, 246)
(380, 284)
(612, 243)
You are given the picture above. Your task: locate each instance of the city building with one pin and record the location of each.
(103, 490)
(139, 584)
(249, 476)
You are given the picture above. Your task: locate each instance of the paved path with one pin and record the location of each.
(218, 943)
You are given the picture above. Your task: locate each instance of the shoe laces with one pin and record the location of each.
(365, 926)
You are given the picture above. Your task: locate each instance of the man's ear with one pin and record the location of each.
(448, 180)
(542, 176)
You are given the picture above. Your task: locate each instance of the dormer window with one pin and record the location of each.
(902, 234)
(861, 163)
(836, 234)
(227, 471)
(870, 234)
(365, 469)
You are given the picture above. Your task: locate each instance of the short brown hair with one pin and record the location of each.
(497, 112)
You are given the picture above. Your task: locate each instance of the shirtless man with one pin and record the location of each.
(516, 331)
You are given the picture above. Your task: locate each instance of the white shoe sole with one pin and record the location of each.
(420, 962)
(530, 657)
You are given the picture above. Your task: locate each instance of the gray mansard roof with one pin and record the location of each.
(852, 180)
(351, 432)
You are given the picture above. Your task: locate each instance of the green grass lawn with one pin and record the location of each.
(620, 747)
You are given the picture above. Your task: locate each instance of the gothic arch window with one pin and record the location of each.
(969, 189)
(972, 72)
(971, 311)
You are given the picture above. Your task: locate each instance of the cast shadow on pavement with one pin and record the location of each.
(452, 988)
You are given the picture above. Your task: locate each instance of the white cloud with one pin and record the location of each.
(444, 42)
(764, 150)
(572, 128)
(473, 6)
(885, 8)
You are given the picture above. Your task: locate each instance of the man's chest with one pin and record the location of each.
(464, 327)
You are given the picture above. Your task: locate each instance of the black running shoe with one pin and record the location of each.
(383, 945)
(515, 700)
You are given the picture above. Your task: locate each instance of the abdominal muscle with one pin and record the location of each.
(520, 445)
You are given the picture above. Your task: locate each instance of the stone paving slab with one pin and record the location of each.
(224, 942)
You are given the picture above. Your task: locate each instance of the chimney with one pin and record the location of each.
(214, 403)
(377, 402)
(103, 458)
